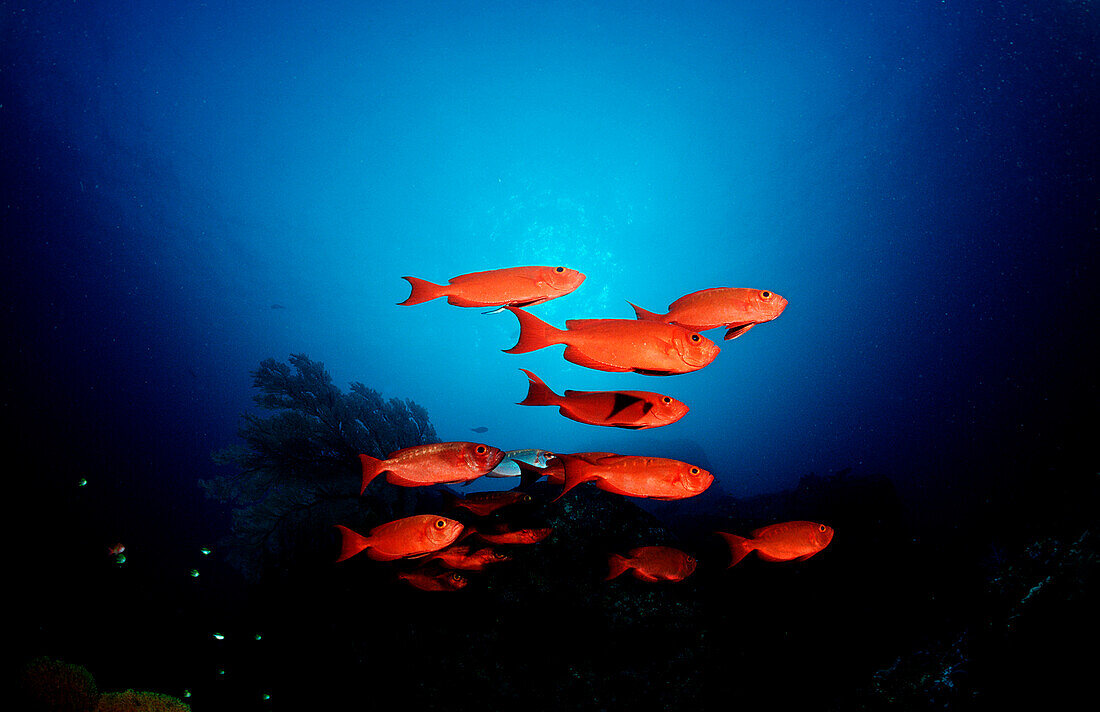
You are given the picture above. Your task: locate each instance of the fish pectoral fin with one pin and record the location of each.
(737, 330)
(624, 401)
(649, 578)
(805, 556)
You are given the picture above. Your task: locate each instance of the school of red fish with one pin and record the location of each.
(652, 344)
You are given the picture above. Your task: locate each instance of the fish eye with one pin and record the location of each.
(457, 578)
(526, 498)
(695, 338)
(821, 527)
(765, 294)
(440, 523)
(695, 470)
(480, 450)
(666, 400)
(559, 270)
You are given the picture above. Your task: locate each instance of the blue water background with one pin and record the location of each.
(190, 188)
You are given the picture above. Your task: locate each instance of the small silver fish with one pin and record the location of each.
(508, 466)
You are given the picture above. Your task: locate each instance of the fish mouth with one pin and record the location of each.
(497, 458)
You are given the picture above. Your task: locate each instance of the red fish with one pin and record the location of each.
(618, 345)
(636, 410)
(116, 549)
(449, 581)
(483, 504)
(652, 564)
(738, 308)
(636, 476)
(409, 537)
(786, 541)
(464, 557)
(516, 536)
(435, 463)
(513, 286)
(555, 468)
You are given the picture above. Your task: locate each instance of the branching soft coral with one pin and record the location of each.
(299, 468)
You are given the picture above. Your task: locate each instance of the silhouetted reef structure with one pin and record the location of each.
(298, 469)
(890, 616)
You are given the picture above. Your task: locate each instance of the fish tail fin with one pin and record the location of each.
(617, 566)
(372, 467)
(576, 473)
(422, 291)
(351, 543)
(534, 333)
(739, 547)
(538, 393)
(644, 315)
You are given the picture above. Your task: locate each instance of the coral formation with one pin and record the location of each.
(54, 686)
(132, 701)
(298, 470)
(49, 685)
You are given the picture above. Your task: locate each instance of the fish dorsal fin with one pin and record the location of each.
(605, 459)
(585, 323)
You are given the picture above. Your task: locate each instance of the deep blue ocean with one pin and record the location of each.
(189, 189)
